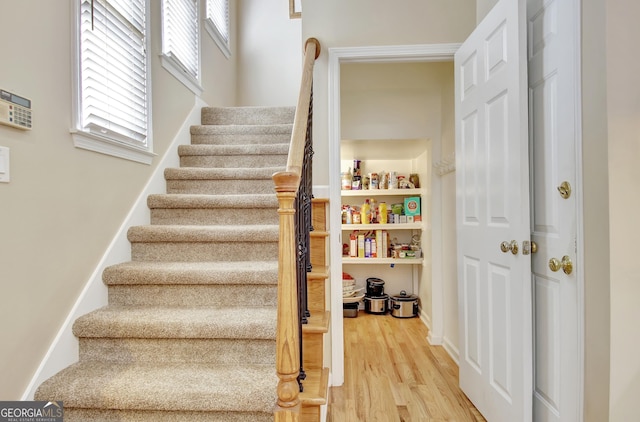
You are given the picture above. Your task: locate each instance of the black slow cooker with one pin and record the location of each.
(375, 287)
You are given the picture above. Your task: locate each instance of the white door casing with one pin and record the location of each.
(553, 105)
(366, 54)
(492, 185)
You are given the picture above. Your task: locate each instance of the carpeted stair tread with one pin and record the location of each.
(164, 386)
(119, 415)
(178, 273)
(108, 415)
(200, 173)
(179, 233)
(178, 322)
(247, 115)
(250, 201)
(178, 350)
(230, 150)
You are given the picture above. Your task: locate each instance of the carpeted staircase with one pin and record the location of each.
(189, 331)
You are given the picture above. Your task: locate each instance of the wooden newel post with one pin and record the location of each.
(287, 332)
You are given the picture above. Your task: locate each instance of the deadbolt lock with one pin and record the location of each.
(565, 190)
(529, 247)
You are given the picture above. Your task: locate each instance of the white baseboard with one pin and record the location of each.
(64, 348)
(452, 350)
(433, 340)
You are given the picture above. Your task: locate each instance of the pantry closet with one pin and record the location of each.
(397, 121)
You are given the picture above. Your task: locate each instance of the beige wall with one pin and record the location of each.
(623, 106)
(219, 73)
(392, 100)
(483, 7)
(336, 23)
(596, 212)
(64, 205)
(448, 213)
(269, 54)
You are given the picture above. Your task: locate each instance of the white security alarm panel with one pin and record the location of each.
(15, 110)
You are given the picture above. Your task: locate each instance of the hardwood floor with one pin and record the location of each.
(393, 374)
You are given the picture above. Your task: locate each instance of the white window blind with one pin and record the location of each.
(217, 23)
(180, 37)
(113, 70)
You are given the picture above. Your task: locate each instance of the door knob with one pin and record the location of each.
(565, 264)
(509, 246)
(565, 189)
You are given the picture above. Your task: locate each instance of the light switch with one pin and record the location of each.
(4, 165)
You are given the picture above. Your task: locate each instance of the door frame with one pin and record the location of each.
(577, 80)
(381, 54)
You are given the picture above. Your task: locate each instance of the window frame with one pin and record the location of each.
(172, 64)
(115, 146)
(223, 44)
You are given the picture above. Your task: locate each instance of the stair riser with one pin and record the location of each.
(204, 251)
(95, 415)
(247, 115)
(240, 139)
(233, 161)
(223, 351)
(194, 295)
(221, 187)
(215, 216)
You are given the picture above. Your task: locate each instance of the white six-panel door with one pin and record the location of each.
(552, 63)
(492, 185)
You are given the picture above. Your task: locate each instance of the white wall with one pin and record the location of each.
(64, 205)
(270, 54)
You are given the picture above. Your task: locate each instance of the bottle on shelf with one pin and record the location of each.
(373, 206)
(347, 180)
(382, 213)
(365, 212)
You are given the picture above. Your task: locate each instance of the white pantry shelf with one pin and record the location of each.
(379, 226)
(381, 192)
(393, 261)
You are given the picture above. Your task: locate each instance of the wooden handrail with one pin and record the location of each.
(287, 184)
(296, 147)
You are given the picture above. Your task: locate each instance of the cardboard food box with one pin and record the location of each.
(412, 206)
